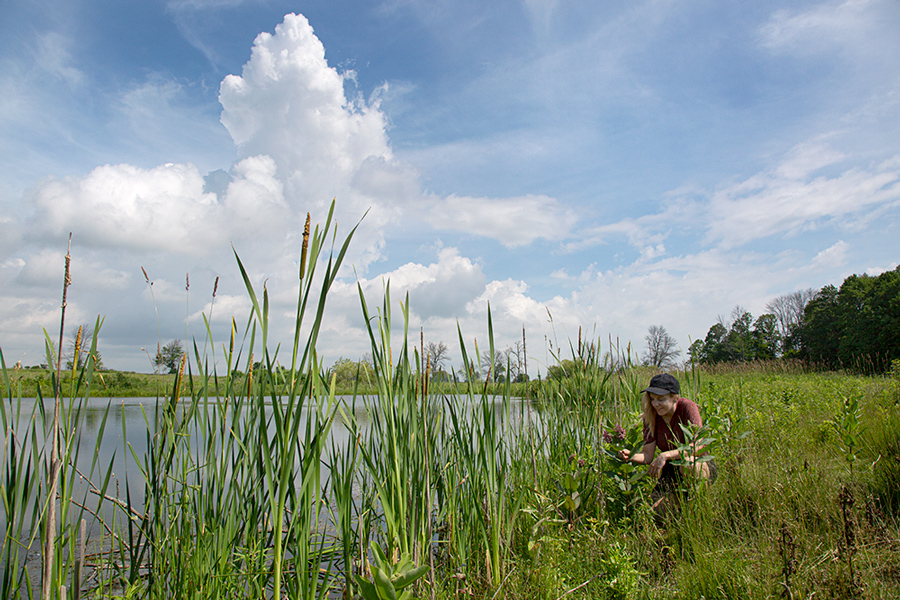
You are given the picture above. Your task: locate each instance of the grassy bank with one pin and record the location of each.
(443, 494)
(108, 383)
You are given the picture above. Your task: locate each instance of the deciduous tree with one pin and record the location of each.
(662, 349)
(169, 356)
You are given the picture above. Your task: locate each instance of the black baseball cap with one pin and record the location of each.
(663, 384)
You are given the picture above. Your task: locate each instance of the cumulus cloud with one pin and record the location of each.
(511, 221)
(440, 289)
(162, 209)
(290, 105)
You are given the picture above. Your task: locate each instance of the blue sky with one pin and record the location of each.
(615, 165)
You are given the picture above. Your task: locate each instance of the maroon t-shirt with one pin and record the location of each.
(669, 435)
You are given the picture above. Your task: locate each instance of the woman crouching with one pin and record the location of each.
(664, 411)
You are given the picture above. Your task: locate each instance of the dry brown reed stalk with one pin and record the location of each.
(187, 308)
(787, 550)
(848, 547)
(79, 561)
(525, 367)
(55, 465)
(430, 533)
(156, 310)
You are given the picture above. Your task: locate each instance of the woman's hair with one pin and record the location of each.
(649, 414)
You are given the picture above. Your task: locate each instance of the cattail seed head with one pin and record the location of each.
(305, 248)
(77, 349)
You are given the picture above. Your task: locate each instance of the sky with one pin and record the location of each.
(594, 165)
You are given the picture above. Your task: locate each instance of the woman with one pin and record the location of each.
(664, 411)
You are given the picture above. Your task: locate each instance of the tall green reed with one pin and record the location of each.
(234, 489)
(398, 447)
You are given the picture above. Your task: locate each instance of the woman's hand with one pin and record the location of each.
(624, 455)
(657, 465)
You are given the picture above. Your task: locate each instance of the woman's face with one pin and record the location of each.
(663, 405)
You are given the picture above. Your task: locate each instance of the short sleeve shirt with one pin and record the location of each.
(669, 435)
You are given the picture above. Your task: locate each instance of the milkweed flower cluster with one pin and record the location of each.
(617, 434)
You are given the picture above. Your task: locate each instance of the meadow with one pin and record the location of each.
(469, 492)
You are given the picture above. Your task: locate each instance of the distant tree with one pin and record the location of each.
(856, 325)
(437, 354)
(662, 349)
(565, 368)
(740, 341)
(695, 351)
(169, 356)
(766, 340)
(788, 310)
(819, 334)
(516, 357)
(347, 372)
(714, 349)
(743, 340)
(495, 368)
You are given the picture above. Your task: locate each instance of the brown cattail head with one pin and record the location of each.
(147, 277)
(180, 377)
(215, 287)
(187, 281)
(305, 247)
(250, 377)
(77, 349)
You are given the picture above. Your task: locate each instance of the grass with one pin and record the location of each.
(452, 490)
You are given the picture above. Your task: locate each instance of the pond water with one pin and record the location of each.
(124, 434)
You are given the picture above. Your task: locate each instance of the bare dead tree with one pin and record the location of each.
(662, 349)
(788, 310)
(437, 354)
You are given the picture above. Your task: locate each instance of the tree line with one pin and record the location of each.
(854, 326)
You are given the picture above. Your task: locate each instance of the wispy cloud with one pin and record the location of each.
(798, 196)
(511, 221)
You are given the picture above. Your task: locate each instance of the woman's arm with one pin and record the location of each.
(657, 464)
(644, 457)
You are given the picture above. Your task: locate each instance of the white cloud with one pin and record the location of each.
(289, 104)
(161, 209)
(795, 197)
(512, 221)
(46, 268)
(835, 256)
(223, 309)
(440, 289)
